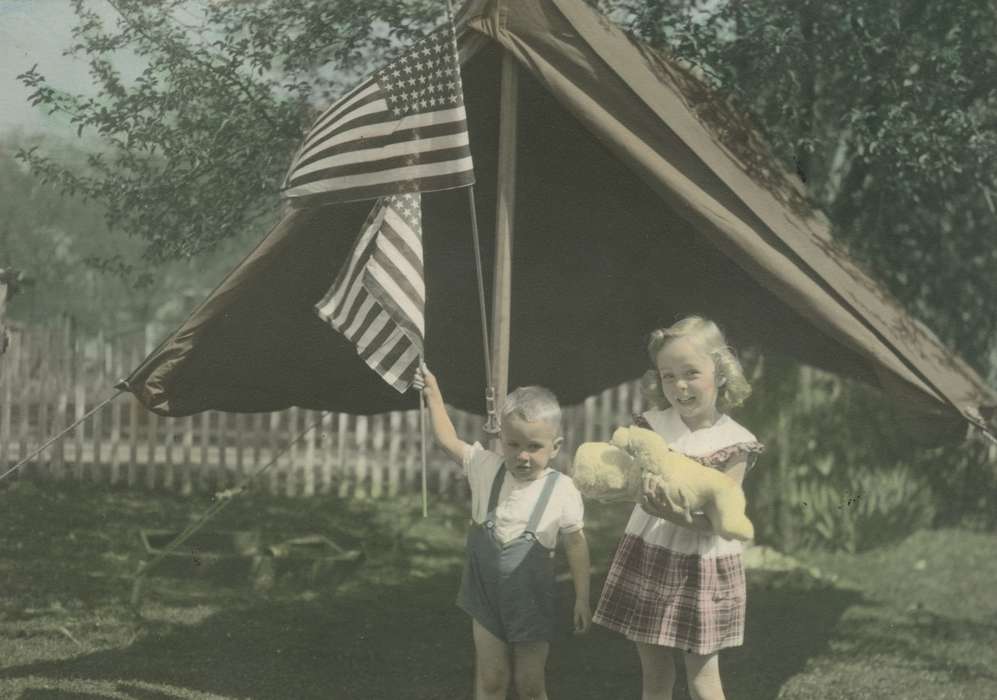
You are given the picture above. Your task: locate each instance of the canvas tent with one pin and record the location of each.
(629, 212)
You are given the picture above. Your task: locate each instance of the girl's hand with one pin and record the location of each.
(583, 616)
(663, 500)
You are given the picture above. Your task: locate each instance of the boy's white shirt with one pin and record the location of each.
(564, 514)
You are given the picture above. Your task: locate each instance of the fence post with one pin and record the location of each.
(360, 490)
(394, 451)
(342, 447)
(325, 482)
(187, 455)
(169, 470)
(413, 453)
(377, 457)
(132, 440)
(272, 477)
(313, 423)
(152, 437)
(203, 466)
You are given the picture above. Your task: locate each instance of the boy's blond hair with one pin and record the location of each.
(533, 403)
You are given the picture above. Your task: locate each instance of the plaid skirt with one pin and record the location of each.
(686, 601)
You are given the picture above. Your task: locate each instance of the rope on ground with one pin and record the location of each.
(59, 435)
(222, 499)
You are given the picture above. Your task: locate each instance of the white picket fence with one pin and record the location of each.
(49, 379)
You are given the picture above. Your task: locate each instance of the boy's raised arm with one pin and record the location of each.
(446, 434)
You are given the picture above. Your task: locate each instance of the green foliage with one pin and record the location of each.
(82, 270)
(888, 113)
(843, 470)
(197, 143)
(876, 507)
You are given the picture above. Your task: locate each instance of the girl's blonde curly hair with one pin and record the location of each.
(732, 386)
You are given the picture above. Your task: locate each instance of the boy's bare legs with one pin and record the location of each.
(657, 671)
(704, 676)
(530, 660)
(491, 665)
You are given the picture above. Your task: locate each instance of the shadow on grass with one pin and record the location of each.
(410, 641)
(784, 630)
(393, 632)
(901, 640)
(407, 641)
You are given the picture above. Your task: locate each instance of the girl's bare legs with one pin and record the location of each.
(491, 665)
(704, 676)
(657, 672)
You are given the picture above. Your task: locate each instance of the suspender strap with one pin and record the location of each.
(541, 506)
(494, 495)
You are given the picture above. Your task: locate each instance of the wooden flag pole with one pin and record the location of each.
(422, 429)
(505, 206)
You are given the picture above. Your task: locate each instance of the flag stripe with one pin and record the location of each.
(363, 316)
(364, 137)
(354, 309)
(417, 178)
(375, 336)
(378, 124)
(344, 283)
(391, 295)
(357, 148)
(372, 122)
(355, 172)
(404, 366)
(380, 147)
(432, 184)
(386, 260)
(394, 355)
(387, 348)
(404, 239)
(356, 101)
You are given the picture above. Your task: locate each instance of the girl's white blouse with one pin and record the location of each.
(693, 443)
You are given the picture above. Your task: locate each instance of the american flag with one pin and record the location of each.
(378, 298)
(402, 130)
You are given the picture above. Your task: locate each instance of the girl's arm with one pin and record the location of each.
(443, 430)
(652, 502)
(576, 548)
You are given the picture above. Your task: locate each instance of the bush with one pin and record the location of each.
(876, 507)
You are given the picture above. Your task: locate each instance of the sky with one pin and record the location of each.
(35, 31)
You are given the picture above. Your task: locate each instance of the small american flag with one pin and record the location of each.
(378, 298)
(402, 130)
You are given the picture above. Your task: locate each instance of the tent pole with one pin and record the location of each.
(504, 216)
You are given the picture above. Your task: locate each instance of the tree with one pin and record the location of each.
(196, 144)
(888, 113)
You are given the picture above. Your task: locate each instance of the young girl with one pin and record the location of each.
(519, 506)
(674, 585)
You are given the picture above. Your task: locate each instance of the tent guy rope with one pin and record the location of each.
(222, 499)
(61, 434)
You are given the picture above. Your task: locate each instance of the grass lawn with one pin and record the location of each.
(916, 621)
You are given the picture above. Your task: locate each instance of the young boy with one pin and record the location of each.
(519, 505)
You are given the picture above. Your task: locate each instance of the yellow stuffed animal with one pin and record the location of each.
(613, 471)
